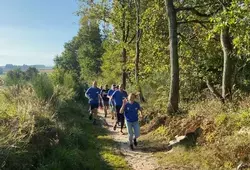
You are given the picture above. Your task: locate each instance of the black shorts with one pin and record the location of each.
(106, 103)
(94, 106)
(119, 116)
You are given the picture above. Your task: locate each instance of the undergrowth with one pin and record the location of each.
(223, 144)
(51, 134)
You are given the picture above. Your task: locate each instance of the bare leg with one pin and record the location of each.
(122, 122)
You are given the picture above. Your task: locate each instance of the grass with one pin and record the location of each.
(223, 144)
(84, 146)
(37, 135)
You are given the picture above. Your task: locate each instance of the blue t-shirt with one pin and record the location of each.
(118, 96)
(110, 92)
(131, 111)
(92, 93)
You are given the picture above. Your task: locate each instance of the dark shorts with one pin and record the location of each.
(106, 103)
(119, 116)
(94, 106)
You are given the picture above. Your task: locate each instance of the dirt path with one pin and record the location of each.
(137, 159)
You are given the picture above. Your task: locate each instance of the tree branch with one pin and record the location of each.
(187, 39)
(127, 33)
(223, 5)
(214, 91)
(239, 70)
(193, 21)
(132, 39)
(196, 12)
(197, 6)
(140, 35)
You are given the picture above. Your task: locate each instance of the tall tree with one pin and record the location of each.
(138, 35)
(126, 30)
(174, 63)
(118, 14)
(228, 66)
(90, 50)
(137, 49)
(82, 55)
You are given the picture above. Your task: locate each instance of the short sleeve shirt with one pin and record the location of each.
(131, 111)
(93, 94)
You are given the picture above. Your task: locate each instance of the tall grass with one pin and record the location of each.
(43, 127)
(22, 116)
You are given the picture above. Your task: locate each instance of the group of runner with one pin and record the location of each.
(122, 107)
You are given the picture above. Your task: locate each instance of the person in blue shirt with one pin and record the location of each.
(118, 97)
(93, 94)
(130, 109)
(111, 102)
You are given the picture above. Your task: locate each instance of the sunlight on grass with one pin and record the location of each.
(116, 161)
(109, 153)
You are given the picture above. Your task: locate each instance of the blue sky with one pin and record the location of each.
(34, 31)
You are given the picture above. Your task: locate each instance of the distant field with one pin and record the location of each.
(2, 75)
(50, 70)
(46, 70)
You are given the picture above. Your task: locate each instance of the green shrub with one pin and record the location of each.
(15, 77)
(43, 87)
(57, 77)
(31, 73)
(68, 81)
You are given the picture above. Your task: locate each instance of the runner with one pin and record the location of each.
(100, 100)
(116, 87)
(130, 109)
(105, 99)
(118, 97)
(125, 94)
(111, 102)
(93, 94)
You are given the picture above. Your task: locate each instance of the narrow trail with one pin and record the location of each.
(137, 159)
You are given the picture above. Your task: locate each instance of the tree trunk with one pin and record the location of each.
(124, 74)
(137, 55)
(228, 66)
(174, 64)
(137, 49)
(124, 51)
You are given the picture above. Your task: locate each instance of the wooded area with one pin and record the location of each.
(188, 60)
(178, 47)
